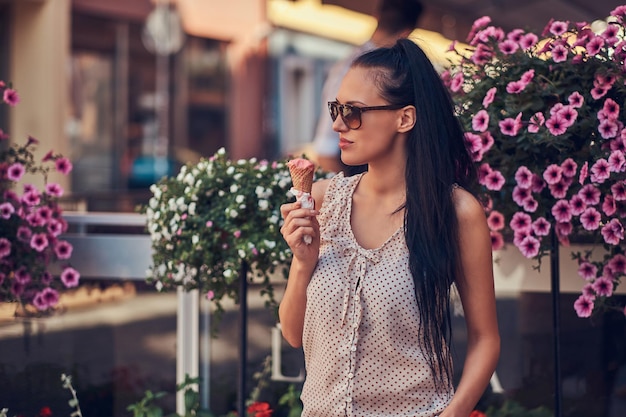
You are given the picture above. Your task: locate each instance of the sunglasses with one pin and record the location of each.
(351, 115)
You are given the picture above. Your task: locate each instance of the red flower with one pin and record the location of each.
(477, 413)
(45, 412)
(260, 409)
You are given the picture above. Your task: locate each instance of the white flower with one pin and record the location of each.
(192, 209)
(228, 273)
(195, 239)
(234, 188)
(242, 253)
(230, 170)
(263, 204)
(270, 244)
(240, 199)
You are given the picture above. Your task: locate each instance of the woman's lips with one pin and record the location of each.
(343, 143)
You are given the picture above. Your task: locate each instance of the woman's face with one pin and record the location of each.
(378, 136)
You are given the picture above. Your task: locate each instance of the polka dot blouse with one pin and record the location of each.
(362, 350)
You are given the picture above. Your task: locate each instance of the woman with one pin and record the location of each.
(368, 299)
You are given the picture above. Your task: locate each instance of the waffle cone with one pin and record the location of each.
(302, 179)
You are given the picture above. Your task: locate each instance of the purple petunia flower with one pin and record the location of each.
(587, 271)
(480, 121)
(583, 306)
(613, 232)
(63, 249)
(63, 165)
(603, 287)
(618, 191)
(495, 220)
(70, 277)
(39, 242)
(520, 222)
(553, 174)
(561, 211)
(6, 210)
(590, 218)
(590, 195)
(529, 247)
(5, 247)
(11, 97)
(15, 171)
(497, 240)
(541, 227)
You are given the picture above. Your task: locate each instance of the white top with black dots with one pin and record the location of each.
(361, 341)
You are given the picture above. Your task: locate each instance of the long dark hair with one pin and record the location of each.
(437, 159)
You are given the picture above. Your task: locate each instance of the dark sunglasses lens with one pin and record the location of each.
(333, 109)
(351, 116)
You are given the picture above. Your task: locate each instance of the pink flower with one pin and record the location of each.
(594, 45)
(494, 180)
(54, 190)
(598, 92)
(553, 174)
(480, 121)
(11, 97)
(568, 114)
(559, 53)
(590, 219)
(608, 205)
(491, 94)
(5, 247)
(587, 271)
(39, 242)
(515, 87)
(577, 205)
(210, 295)
(45, 299)
(510, 126)
(497, 241)
(24, 234)
(576, 100)
(495, 220)
(515, 35)
(618, 263)
(583, 173)
(520, 194)
(535, 122)
(600, 171)
(15, 171)
(529, 247)
(70, 277)
(608, 128)
(561, 211)
(528, 76)
(610, 109)
(583, 306)
(617, 161)
(209, 223)
(237, 233)
(22, 276)
(521, 222)
(63, 249)
(483, 171)
(558, 27)
(31, 198)
(530, 204)
(590, 195)
(569, 167)
(6, 210)
(487, 141)
(523, 176)
(541, 227)
(474, 142)
(589, 291)
(559, 190)
(603, 287)
(63, 165)
(557, 124)
(619, 191)
(508, 47)
(537, 184)
(613, 232)
(457, 82)
(528, 41)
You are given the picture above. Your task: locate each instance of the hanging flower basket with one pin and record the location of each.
(544, 116)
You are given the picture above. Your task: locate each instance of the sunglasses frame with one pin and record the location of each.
(357, 111)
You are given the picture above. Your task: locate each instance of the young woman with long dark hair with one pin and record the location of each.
(369, 298)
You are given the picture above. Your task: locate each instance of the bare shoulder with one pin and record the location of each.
(468, 208)
(318, 191)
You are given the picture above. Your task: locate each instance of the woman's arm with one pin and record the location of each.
(476, 289)
(298, 223)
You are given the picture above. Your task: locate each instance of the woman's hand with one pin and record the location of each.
(300, 222)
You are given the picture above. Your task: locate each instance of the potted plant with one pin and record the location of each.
(31, 224)
(214, 216)
(544, 120)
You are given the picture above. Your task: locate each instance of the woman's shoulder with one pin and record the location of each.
(336, 186)
(467, 206)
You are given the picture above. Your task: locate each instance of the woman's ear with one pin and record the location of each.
(407, 118)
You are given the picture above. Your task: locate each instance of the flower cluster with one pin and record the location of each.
(31, 223)
(544, 121)
(213, 217)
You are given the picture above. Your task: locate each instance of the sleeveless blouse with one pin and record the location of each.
(361, 341)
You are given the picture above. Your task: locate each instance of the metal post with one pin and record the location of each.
(556, 320)
(243, 337)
